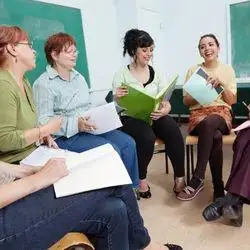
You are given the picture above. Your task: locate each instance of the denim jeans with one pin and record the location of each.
(110, 216)
(122, 143)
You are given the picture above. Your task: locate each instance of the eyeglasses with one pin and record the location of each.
(30, 44)
(74, 53)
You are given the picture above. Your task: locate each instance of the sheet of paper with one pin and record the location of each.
(42, 154)
(242, 126)
(104, 170)
(199, 89)
(104, 117)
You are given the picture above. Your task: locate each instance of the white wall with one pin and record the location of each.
(185, 21)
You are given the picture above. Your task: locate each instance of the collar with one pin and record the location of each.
(52, 73)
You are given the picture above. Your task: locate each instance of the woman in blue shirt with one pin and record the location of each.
(61, 90)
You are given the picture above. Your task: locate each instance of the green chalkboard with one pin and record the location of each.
(41, 20)
(240, 38)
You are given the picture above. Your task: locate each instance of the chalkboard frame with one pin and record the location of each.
(229, 37)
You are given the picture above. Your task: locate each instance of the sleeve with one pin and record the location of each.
(231, 82)
(11, 138)
(44, 100)
(117, 80)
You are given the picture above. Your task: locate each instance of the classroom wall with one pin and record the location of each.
(100, 32)
(181, 24)
(185, 22)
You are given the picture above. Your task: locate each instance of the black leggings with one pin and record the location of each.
(144, 135)
(209, 148)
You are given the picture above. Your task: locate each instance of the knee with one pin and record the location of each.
(217, 138)
(115, 209)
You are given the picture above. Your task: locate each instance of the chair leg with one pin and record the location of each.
(166, 162)
(188, 163)
(192, 159)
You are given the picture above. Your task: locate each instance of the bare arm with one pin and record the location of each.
(229, 97)
(52, 171)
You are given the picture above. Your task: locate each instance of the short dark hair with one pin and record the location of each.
(209, 35)
(57, 42)
(134, 39)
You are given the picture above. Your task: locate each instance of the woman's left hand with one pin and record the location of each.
(49, 141)
(215, 82)
(163, 110)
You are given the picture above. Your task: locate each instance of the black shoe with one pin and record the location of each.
(234, 214)
(146, 194)
(214, 210)
(173, 247)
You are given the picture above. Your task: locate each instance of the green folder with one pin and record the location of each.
(140, 104)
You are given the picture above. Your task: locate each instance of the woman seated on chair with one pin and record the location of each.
(32, 218)
(18, 123)
(139, 45)
(210, 122)
(238, 184)
(61, 90)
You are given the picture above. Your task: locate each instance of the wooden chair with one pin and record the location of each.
(159, 142)
(73, 241)
(193, 140)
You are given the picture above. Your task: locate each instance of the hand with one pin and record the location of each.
(84, 125)
(121, 91)
(163, 110)
(52, 171)
(49, 141)
(51, 127)
(215, 82)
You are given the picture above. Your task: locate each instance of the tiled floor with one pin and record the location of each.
(171, 220)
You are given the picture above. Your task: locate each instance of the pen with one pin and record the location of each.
(84, 119)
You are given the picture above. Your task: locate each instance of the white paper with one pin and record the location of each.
(42, 154)
(104, 117)
(242, 126)
(96, 168)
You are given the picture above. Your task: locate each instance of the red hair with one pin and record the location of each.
(10, 35)
(57, 42)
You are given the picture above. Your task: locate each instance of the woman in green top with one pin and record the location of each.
(139, 45)
(18, 124)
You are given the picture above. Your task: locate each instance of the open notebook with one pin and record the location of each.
(96, 168)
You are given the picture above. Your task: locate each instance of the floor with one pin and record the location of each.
(174, 221)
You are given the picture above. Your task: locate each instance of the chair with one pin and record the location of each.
(160, 142)
(193, 140)
(71, 241)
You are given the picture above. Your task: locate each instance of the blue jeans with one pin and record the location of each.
(122, 143)
(109, 216)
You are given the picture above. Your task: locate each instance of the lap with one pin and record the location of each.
(42, 210)
(137, 128)
(82, 142)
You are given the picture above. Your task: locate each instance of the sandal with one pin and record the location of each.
(173, 247)
(189, 193)
(147, 194)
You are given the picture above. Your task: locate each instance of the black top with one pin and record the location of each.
(151, 75)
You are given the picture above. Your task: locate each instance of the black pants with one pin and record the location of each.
(144, 135)
(209, 148)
